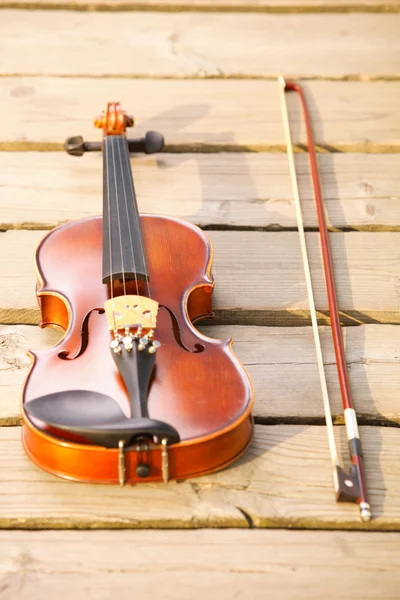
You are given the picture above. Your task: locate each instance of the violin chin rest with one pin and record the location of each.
(98, 418)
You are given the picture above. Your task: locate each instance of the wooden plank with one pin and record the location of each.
(276, 6)
(205, 115)
(42, 190)
(178, 44)
(284, 480)
(259, 276)
(14, 365)
(214, 564)
(280, 362)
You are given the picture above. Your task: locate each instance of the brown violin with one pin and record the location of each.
(133, 392)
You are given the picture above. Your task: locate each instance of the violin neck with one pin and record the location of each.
(123, 249)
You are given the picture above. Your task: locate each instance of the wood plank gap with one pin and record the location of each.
(232, 316)
(273, 228)
(287, 318)
(365, 147)
(356, 77)
(211, 7)
(363, 419)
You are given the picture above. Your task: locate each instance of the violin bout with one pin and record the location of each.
(91, 414)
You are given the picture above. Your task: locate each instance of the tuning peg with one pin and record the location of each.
(151, 143)
(76, 146)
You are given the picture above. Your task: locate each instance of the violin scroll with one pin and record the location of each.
(114, 120)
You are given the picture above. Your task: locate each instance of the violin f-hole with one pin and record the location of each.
(177, 333)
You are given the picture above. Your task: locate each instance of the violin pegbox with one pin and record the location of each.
(114, 120)
(132, 312)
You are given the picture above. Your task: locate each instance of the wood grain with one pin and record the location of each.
(284, 480)
(206, 115)
(212, 564)
(178, 44)
(42, 190)
(276, 6)
(280, 361)
(259, 276)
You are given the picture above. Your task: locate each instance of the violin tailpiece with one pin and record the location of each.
(143, 468)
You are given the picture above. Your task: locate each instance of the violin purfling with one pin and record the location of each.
(133, 392)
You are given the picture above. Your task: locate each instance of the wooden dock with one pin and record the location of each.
(204, 73)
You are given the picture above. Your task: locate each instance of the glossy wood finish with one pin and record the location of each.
(199, 386)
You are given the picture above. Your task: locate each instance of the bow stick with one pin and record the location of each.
(348, 487)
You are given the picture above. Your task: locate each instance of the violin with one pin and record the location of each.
(133, 392)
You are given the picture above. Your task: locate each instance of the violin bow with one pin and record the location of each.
(348, 487)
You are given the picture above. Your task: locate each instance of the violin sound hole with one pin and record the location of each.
(197, 348)
(64, 354)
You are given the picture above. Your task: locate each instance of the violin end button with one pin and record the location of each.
(143, 470)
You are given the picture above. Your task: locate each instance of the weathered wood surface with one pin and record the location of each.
(202, 115)
(281, 364)
(295, 565)
(284, 480)
(259, 276)
(212, 5)
(228, 189)
(178, 44)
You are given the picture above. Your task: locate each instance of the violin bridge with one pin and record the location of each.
(131, 311)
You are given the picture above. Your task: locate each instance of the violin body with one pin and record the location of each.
(197, 384)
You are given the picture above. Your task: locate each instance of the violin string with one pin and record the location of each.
(113, 141)
(307, 273)
(105, 150)
(138, 225)
(126, 208)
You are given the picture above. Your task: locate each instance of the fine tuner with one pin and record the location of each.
(151, 143)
